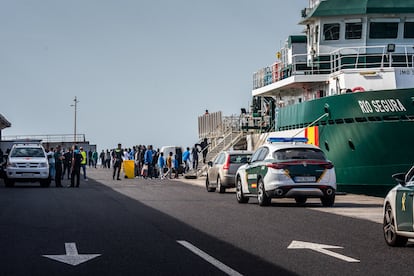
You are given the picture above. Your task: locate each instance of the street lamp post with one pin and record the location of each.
(76, 108)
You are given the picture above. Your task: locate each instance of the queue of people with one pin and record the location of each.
(148, 163)
(151, 163)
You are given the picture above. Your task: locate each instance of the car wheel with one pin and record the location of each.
(209, 189)
(390, 233)
(8, 183)
(239, 192)
(220, 187)
(328, 201)
(262, 197)
(300, 200)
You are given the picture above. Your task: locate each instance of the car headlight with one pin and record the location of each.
(43, 165)
(11, 165)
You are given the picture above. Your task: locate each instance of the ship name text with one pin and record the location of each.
(381, 106)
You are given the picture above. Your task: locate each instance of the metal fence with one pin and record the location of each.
(52, 138)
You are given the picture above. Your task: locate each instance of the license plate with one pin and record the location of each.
(305, 179)
(27, 175)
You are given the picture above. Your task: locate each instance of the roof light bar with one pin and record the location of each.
(287, 140)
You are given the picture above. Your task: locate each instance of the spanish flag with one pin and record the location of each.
(312, 133)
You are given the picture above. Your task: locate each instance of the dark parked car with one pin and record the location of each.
(221, 172)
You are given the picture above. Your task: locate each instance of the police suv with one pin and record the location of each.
(398, 225)
(287, 168)
(27, 162)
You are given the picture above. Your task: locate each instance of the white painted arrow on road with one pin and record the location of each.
(321, 248)
(72, 256)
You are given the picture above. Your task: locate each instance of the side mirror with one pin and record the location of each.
(400, 178)
(210, 163)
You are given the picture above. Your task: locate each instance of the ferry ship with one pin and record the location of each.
(347, 84)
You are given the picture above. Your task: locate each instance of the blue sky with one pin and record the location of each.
(143, 71)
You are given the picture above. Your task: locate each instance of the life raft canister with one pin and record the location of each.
(358, 89)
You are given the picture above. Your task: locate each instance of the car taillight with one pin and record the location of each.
(276, 166)
(327, 165)
(284, 165)
(226, 165)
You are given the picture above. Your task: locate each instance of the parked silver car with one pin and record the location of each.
(221, 172)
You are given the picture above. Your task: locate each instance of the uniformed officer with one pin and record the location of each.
(58, 166)
(76, 165)
(117, 157)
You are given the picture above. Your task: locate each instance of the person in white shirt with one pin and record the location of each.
(126, 155)
(51, 158)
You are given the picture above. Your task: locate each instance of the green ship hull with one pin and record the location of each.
(367, 135)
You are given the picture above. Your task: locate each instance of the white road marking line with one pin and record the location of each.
(322, 248)
(208, 258)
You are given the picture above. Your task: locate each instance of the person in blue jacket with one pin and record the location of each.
(148, 161)
(176, 166)
(161, 165)
(186, 160)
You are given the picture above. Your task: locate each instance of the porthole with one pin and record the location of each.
(351, 144)
(361, 119)
(326, 145)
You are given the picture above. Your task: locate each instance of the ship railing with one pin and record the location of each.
(256, 123)
(383, 56)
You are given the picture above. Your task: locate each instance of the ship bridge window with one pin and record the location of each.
(383, 30)
(353, 30)
(349, 120)
(409, 30)
(317, 34)
(331, 31)
(339, 121)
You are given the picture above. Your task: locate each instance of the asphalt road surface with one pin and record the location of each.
(155, 227)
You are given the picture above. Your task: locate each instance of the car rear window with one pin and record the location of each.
(298, 153)
(239, 158)
(27, 152)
